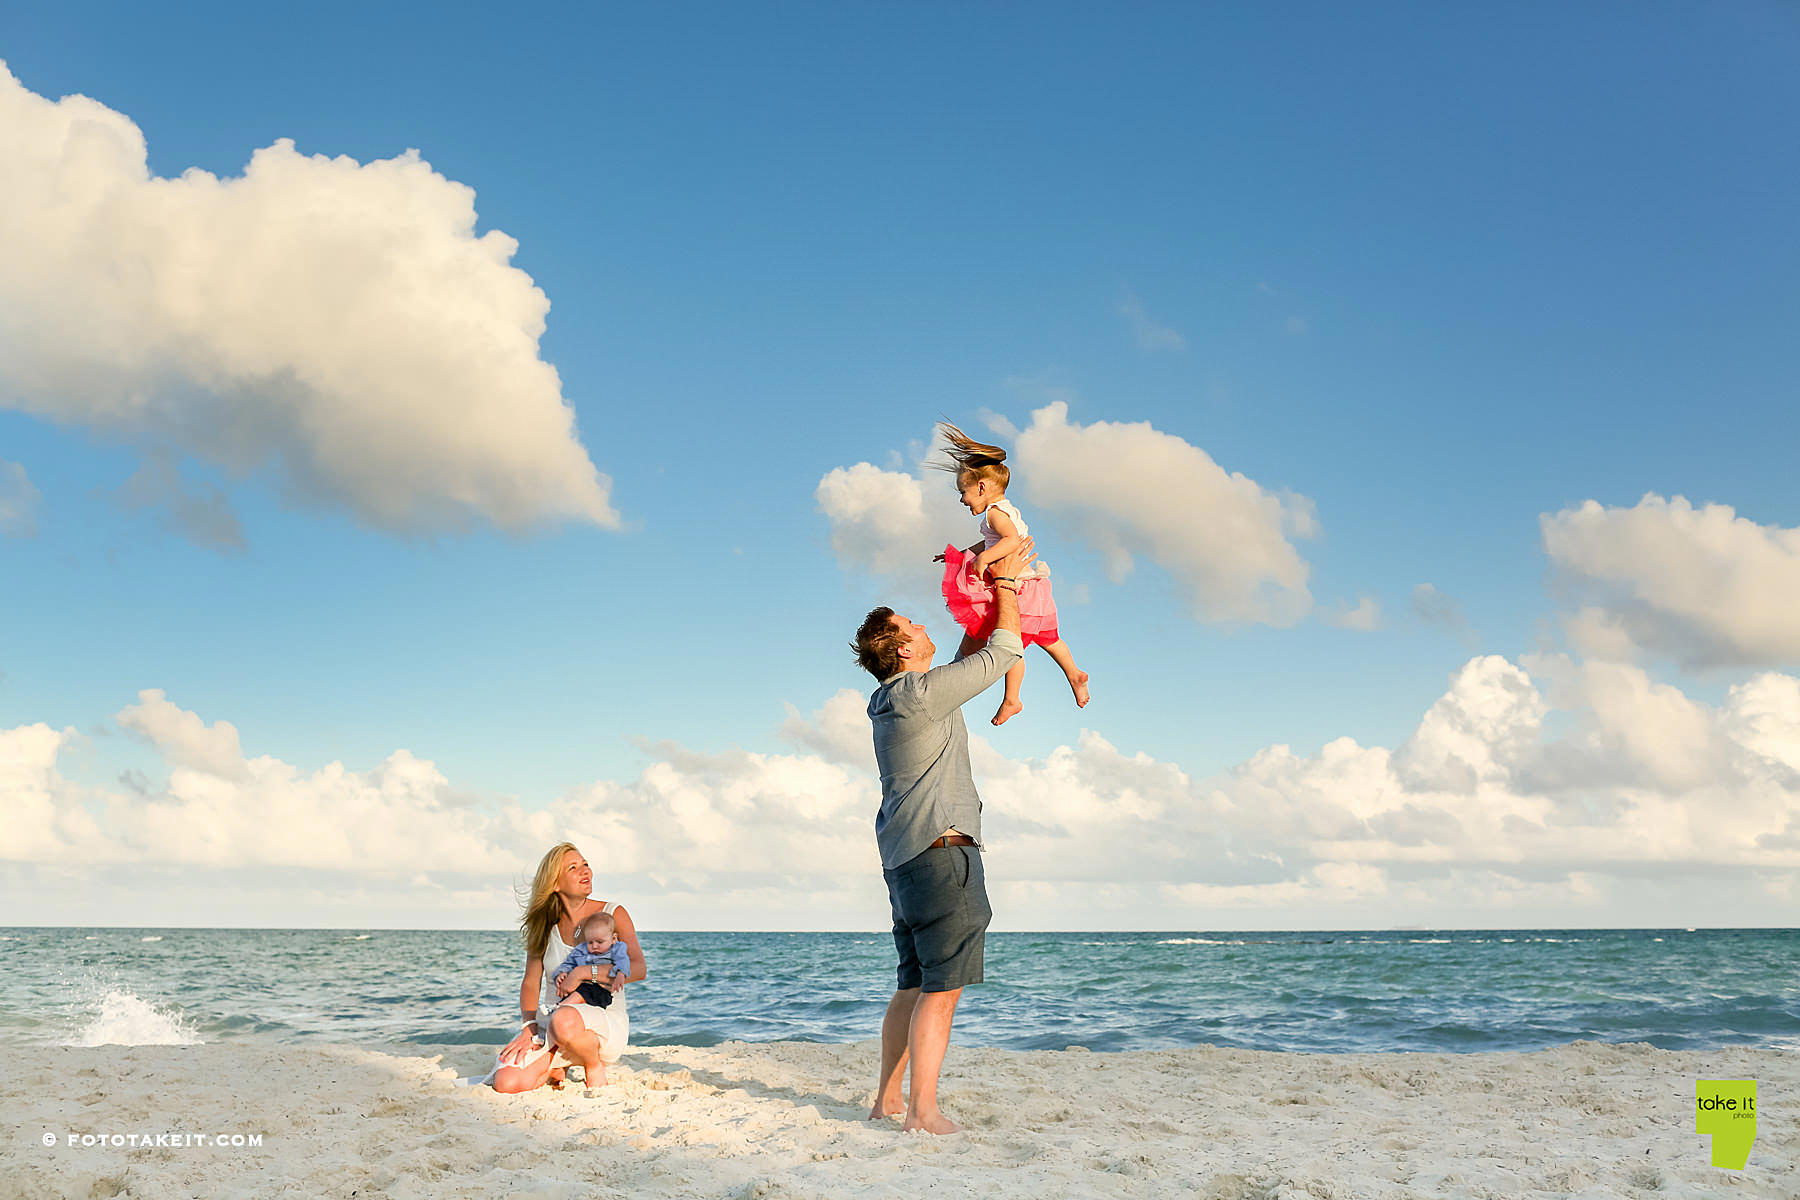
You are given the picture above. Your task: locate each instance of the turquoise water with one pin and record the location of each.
(1346, 991)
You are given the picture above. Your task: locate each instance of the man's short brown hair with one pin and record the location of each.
(877, 644)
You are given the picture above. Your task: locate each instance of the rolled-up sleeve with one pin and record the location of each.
(947, 688)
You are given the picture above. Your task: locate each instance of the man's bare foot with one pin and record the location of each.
(1078, 685)
(1007, 711)
(936, 1122)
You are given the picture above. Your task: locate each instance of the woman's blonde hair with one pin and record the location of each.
(972, 459)
(544, 906)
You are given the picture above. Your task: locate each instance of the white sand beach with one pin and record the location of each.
(785, 1120)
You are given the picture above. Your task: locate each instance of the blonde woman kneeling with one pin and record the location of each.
(558, 1036)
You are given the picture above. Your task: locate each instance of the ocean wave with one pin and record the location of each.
(153, 938)
(1189, 942)
(120, 1018)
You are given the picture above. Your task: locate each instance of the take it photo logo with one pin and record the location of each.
(1726, 1109)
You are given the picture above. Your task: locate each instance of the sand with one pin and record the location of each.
(785, 1121)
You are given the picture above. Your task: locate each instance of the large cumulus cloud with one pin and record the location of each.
(340, 324)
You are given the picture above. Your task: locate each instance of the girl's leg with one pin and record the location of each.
(1078, 679)
(1009, 704)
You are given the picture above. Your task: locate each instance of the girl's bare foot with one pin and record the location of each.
(556, 1078)
(596, 1079)
(1007, 711)
(1078, 685)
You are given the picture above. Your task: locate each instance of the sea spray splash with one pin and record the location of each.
(118, 1018)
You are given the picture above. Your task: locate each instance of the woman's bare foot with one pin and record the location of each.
(1007, 711)
(882, 1112)
(1078, 685)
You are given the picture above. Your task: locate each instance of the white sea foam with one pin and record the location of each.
(118, 1018)
(1195, 942)
(154, 938)
(361, 937)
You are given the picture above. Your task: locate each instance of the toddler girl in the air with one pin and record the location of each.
(981, 481)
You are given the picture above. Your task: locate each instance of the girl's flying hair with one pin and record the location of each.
(969, 457)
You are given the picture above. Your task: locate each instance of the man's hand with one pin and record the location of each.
(1018, 561)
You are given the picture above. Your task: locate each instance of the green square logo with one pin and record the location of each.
(1726, 1109)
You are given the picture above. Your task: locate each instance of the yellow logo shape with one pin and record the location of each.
(1726, 1108)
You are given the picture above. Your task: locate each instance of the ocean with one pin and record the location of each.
(1462, 990)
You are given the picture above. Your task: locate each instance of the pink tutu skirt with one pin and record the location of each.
(971, 601)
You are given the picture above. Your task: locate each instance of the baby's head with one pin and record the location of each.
(981, 474)
(597, 931)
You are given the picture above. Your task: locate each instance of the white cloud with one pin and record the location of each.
(340, 323)
(45, 820)
(837, 731)
(1703, 585)
(1151, 335)
(1476, 734)
(1487, 804)
(890, 522)
(1134, 491)
(184, 739)
(19, 499)
(1364, 618)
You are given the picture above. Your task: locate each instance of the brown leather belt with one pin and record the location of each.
(955, 839)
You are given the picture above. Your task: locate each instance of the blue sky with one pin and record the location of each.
(1439, 271)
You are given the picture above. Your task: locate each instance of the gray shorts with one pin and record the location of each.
(941, 916)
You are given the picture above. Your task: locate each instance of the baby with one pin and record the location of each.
(596, 947)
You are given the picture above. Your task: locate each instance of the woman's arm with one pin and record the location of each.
(526, 1040)
(628, 934)
(530, 987)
